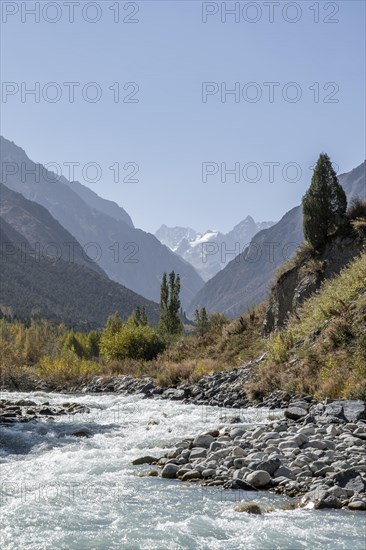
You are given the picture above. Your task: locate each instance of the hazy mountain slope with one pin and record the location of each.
(110, 208)
(129, 256)
(58, 290)
(209, 252)
(246, 280)
(40, 231)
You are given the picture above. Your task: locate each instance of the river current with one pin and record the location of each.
(64, 492)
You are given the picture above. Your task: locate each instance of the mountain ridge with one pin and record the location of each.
(128, 255)
(208, 252)
(246, 280)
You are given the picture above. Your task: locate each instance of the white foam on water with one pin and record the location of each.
(63, 492)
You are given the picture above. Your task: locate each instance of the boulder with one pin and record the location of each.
(320, 498)
(269, 466)
(249, 507)
(284, 471)
(295, 413)
(239, 484)
(192, 474)
(260, 478)
(198, 452)
(357, 504)
(351, 480)
(170, 471)
(144, 460)
(203, 441)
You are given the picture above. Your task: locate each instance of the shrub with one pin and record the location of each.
(357, 210)
(132, 342)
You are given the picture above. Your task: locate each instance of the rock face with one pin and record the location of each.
(297, 284)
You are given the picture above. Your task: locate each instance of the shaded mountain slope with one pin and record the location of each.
(40, 231)
(129, 256)
(57, 290)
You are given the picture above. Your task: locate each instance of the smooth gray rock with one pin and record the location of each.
(351, 480)
(295, 413)
(198, 452)
(321, 498)
(203, 441)
(170, 471)
(144, 460)
(260, 478)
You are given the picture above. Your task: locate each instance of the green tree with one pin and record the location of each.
(72, 341)
(201, 321)
(93, 344)
(113, 324)
(139, 317)
(324, 204)
(170, 321)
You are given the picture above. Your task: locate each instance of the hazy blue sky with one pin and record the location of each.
(170, 131)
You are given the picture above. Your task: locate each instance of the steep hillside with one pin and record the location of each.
(246, 280)
(57, 290)
(40, 231)
(303, 275)
(129, 256)
(322, 351)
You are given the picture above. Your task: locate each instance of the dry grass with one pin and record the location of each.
(323, 350)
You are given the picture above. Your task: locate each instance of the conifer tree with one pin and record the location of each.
(324, 204)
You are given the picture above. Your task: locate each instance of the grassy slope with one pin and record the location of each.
(323, 349)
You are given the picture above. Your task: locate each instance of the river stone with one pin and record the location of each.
(315, 444)
(198, 452)
(357, 504)
(284, 471)
(351, 480)
(249, 507)
(260, 478)
(83, 433)
(210, 472)
(269, 466)
(239, 484)
(203, 441)
(238, 452)
(237, 432)
(295, 413)
(192, 474)
(321, 498)
(144, 460)
(170, 471)
(354, 410)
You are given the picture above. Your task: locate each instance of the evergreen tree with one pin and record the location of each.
(113, 324)
(93, 344)
(201, 321)
(170, 321)
(324, 204)
(139, 317)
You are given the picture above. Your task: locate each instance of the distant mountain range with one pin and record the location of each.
(38, 279)
(105, 231)
(246, 280)
(210, 251)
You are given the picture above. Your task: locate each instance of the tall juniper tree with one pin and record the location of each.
(324, 204)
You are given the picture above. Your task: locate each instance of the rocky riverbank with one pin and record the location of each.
(223, 389)
(316, 453)
(25, 410)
